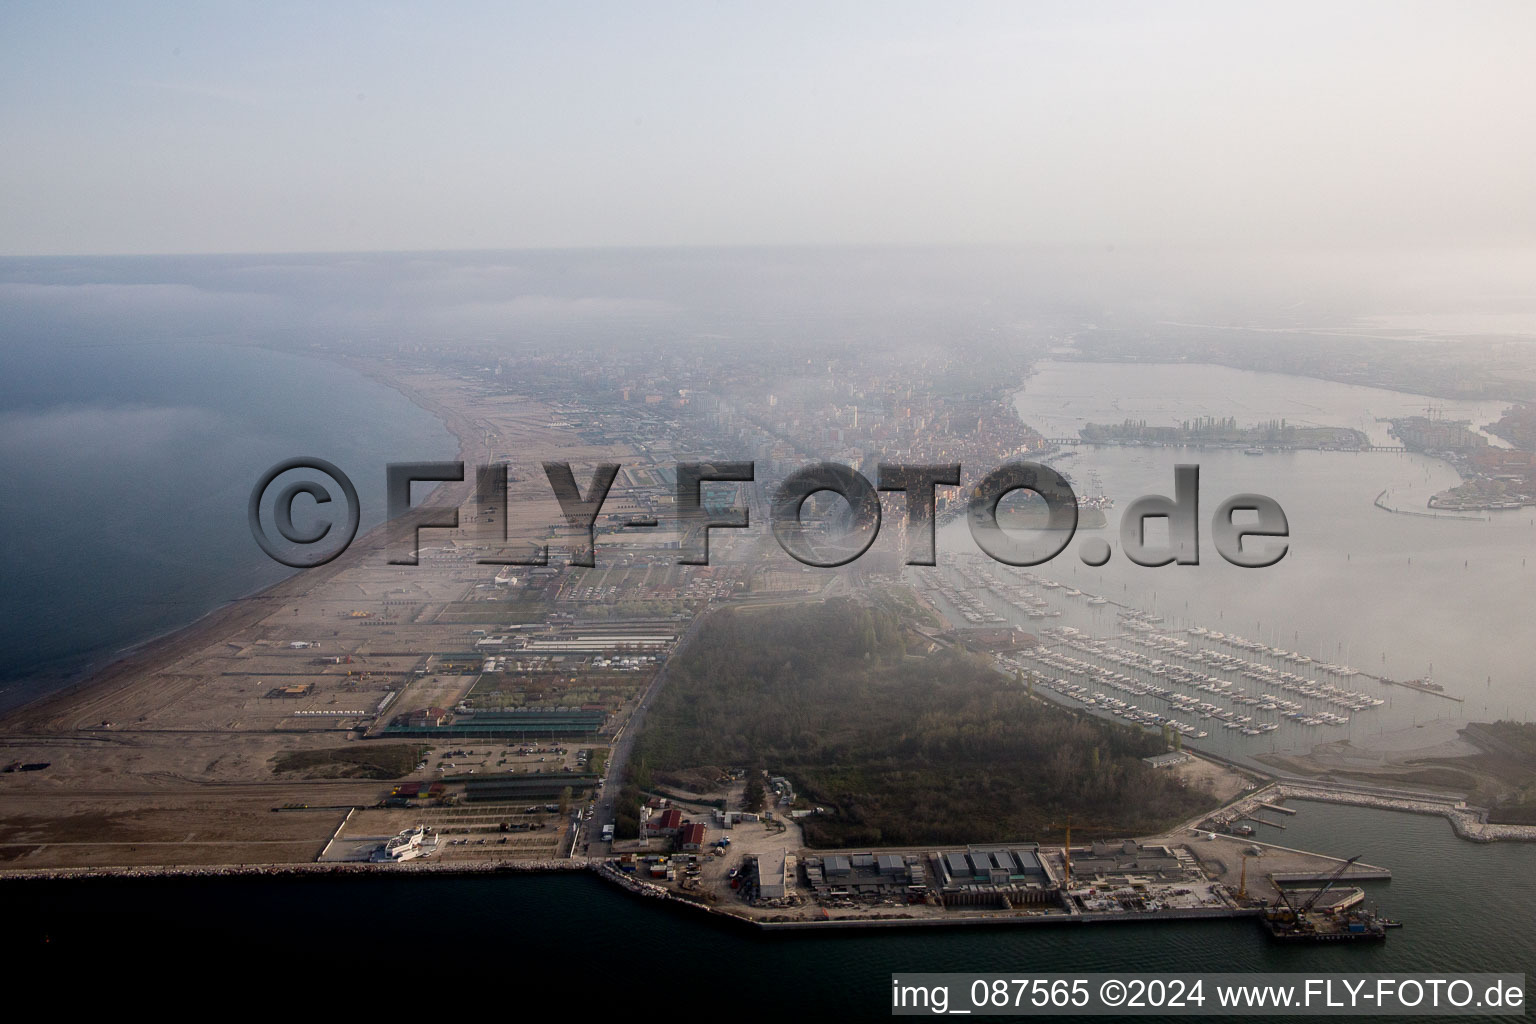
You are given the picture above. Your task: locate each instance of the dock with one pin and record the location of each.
(1277, 865)
(1413, 684)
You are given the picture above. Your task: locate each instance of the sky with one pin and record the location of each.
(271, 127)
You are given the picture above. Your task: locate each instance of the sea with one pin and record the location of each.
(1465, 907)
(127, 457)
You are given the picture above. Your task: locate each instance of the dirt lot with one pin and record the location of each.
(171, 829)
(1225, 782)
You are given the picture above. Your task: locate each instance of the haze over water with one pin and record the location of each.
(1394, 595)
(130, 378)
(924, 184)
(125, 468)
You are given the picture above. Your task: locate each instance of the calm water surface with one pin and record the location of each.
(1466, 907)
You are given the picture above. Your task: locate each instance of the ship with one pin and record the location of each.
(1341, 920)
(1349, 926)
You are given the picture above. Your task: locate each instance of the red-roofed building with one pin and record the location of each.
(667, 823)
(691, 837)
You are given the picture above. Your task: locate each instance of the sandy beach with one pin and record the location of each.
(165, 757)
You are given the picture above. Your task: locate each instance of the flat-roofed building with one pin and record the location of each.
(1015, 865)
(773, 875)
(957, 870)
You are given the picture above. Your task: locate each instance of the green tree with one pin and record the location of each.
(755, 797)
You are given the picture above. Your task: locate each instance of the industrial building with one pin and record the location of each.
(886, 874)
(634, 636)
(583, 643)
(503, 725)
(518, 788)
(1016, 865)
(773, 875)
(1104, 860)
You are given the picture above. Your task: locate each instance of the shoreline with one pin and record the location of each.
(312, 868)
(158, 652)
(641, 889)
(1466, 823)
(1380, 503)
(1074, 356)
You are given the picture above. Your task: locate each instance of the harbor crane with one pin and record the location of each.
(1292, 913)
(1066, 847)
(1066, 850)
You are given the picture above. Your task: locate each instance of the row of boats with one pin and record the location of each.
(1036, 607)
(1202, 684)
(1264, 675)
(1233, 640)
(1101, 676)
(970, 607)
(1134, 673)
(976, 612)
(1091, 698)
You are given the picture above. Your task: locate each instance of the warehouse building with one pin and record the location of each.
(518, 788)
(502, 725)
(886, 874)
(1016, 865)
(773, 875)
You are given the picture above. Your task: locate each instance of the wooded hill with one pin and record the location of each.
(898, 749)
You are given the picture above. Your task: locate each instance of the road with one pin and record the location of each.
(618, 757)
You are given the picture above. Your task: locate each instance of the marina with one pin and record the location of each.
(1190, 681)
(1397, 597)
